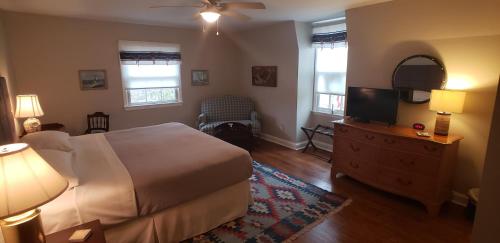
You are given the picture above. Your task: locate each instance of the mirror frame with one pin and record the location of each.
(434, 59)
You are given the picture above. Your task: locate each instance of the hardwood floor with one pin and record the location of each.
(373, 215)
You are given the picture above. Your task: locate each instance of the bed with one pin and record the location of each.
(162, 183)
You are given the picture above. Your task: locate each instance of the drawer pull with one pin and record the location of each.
(403, 161)
(369, 137)
(430, 149)
(354, 148)
(354, 165)
(404, 182)
(389, 141)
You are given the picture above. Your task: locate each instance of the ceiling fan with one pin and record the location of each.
(211, 10)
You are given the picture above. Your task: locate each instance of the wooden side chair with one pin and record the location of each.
(97, 122)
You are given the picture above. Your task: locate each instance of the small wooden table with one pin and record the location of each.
(97, 235)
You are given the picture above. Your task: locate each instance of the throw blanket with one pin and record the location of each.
(172, 163)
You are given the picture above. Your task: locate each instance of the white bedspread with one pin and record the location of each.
(102, 177)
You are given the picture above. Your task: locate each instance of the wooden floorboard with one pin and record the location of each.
(373, 215)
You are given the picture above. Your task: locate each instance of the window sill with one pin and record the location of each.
(328, 115)
(145, 107)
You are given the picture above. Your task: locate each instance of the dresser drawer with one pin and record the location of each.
(408, 162)
(422, 147)
(352, 166)
(406, 183)
(355, 149)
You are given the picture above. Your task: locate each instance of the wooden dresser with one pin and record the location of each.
(395, 159)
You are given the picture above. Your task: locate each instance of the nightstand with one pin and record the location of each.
(51, 127)
(63, 236)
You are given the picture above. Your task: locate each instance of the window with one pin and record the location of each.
(330, 69)
(150, 74)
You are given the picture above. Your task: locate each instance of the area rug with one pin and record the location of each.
(283, 208)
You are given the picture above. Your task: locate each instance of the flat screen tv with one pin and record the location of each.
(367, 104)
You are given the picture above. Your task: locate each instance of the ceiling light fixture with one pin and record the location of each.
(210, 16)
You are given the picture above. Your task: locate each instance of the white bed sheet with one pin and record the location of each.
(105, 192)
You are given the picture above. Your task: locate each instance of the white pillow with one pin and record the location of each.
(62, 162)
(48, 140)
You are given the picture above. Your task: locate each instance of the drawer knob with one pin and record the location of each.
(389, 141)
(354, 148)
(354, 165)
(369, 137)
(404, 182)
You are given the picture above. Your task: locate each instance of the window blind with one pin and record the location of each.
(329, 34)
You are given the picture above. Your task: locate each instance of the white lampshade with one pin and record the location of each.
(26, 180)
(210, 16)
(28, 106)
(447, 101)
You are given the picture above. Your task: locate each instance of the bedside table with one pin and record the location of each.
(97, 235)
(51, 127)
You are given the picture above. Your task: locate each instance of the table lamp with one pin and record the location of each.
(446, 102)
(29, 107)
(26, 182)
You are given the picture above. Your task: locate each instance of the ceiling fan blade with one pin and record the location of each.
(243, 5)
(235, 15)
(177, 6)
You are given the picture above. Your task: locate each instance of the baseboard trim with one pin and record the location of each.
(294, 145)
(280, 141)
(459, 199)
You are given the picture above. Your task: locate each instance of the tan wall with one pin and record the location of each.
(487, 219)
(305, 82)
(464, 34)
(5, 70)
(47, 52)
(274, 45)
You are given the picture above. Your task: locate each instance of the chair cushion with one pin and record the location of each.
(209, 127)
(227, 108)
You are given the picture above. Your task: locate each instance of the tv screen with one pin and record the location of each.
(367, 104)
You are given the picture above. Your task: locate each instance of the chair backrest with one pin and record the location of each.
(227, 108)
(98, 122)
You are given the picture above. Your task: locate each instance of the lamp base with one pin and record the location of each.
(442, 123)
(32, 125)
(26, 227)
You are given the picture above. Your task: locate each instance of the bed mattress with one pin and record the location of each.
(172, 163)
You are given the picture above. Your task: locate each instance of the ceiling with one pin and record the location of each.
(138, 11)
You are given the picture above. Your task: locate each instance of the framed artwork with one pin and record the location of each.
(265, 76)
(199, 77)
(93, 79)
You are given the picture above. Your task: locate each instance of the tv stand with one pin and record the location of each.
(395, 159)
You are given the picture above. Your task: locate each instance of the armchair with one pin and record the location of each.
(220, 109)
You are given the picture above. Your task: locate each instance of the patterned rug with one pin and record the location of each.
(283, 208)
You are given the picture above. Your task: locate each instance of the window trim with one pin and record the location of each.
(315, 108)
(151, 47)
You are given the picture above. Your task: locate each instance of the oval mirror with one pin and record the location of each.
(416, 76)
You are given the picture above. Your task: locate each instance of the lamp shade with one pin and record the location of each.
(447, 101)
(26, 180)
(28, 106)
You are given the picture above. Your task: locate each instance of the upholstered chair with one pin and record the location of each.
(221, 109)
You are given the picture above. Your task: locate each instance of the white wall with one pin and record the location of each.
(487, 221)
(47, 52)
(464, 34)
(273, 45)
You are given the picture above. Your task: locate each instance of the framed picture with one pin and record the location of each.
(265, 76)
(93, 79)
(199, 77)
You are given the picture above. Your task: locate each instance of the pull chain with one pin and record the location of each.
(217, 28)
